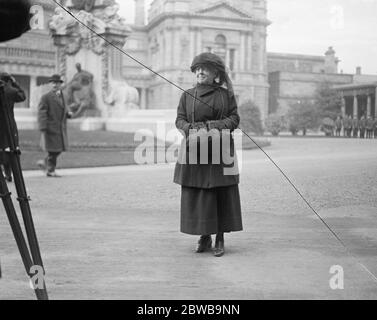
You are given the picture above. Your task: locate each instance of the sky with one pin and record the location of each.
(311, 26)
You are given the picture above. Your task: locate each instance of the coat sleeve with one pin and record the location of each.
(18, 94)
(182, 122)
(43, 114)
(232, 118)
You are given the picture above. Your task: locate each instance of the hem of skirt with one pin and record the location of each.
(207, 187)
(208, 233)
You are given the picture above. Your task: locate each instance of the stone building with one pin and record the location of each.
(32, 57)
(177, 30)
(295, 78)
(359, 99)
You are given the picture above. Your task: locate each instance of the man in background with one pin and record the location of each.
(369, 127)
(338, 126)
(355, 126)
(52, 121)
(362, 125)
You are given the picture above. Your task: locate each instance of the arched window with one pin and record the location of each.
(220, 46)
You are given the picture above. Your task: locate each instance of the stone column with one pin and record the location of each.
(33, 87)
(168, 47)
(175, 47)
(262, 51)
(375, 104)
(249, 51)
(355, 105)
(369, 105)
(192, 43)
(163, 50)
(198, 41)
(343, 106)
(242, 52)
(143, 98)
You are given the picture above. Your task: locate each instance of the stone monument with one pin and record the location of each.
(90, 65)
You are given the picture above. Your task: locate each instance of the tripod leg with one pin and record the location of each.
(25, 208)
(18, 234)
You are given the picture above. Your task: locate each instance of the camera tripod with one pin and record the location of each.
(30, 258)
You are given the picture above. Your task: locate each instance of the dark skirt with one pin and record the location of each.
(209, 211)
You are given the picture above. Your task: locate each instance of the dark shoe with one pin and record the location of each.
(53, 175)
(204, 243)
(219, 249)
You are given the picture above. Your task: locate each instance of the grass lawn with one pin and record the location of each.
(92, 149)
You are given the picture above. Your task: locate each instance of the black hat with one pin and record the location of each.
(208, 58)
(55, 78)
(211, 59)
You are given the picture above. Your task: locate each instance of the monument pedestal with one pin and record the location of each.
(26, 119)
(157, 123)
(87, 124)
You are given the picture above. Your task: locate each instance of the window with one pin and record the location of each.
(231, 59)
(220, 46)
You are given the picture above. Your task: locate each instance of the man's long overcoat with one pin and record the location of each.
(52, 119)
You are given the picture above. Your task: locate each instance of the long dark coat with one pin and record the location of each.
(12, 95)
(210, 200)
(208, 107)
(52, 119)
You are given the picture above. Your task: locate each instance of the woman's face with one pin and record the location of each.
(205, 74)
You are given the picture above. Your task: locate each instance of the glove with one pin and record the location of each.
(214, 125)
(198, 125)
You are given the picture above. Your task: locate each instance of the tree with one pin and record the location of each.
(251, 117)
(275, 123)
(302, 116)
(328, 101)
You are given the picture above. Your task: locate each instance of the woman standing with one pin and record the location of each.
(210, 200)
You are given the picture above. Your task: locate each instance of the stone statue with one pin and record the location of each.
(122, 98)
(86, 5)
(61, 21)
(80, 96)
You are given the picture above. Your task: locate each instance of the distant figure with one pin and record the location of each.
(347, 124)
(338, 126)
(369, 127)
(355, 127)
(13, 93)
(362, 126)
(52, 120)
(375, 127)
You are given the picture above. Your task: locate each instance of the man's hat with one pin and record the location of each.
(55, 78)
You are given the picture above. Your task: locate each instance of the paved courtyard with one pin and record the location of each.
(113, 233)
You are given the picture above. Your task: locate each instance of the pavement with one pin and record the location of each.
(113, 233)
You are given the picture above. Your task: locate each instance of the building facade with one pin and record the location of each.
(177, 30)
(359, 99)
(294, 78)
(166, 43)
(31, 59)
